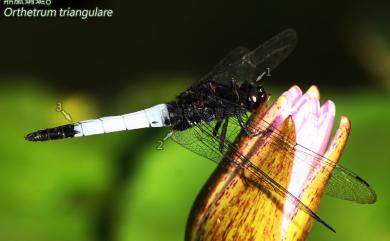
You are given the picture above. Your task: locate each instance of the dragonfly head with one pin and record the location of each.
(256, 96)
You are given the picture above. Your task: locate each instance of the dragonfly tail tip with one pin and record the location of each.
(32, 137)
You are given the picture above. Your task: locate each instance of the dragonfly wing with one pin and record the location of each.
(231, 58)
(242, 65)
(343, 183)
(206, 144)
(200, 142)
(274, 51)
(225, 71)
(194, 140)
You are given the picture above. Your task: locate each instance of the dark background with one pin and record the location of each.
(117, 186)
(190, 37)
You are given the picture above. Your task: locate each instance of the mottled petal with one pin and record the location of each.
(234, 204)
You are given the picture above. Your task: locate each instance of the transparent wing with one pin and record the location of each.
(195, 140)
(274, 51)
(231, 58)
(242, 65)
(227, 68)
(203, 142)
(343, 183)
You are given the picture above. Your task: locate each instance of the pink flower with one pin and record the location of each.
(230, 209)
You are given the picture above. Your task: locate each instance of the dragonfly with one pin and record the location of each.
(208, 117)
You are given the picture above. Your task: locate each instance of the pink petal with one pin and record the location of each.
(313, 127)
(325, 124)
(293, 94)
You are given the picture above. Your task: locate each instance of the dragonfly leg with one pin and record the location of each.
(223, 135)
(216, 128)
(235, 89)
(243, 126)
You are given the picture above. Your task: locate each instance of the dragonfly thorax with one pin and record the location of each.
(210, 101)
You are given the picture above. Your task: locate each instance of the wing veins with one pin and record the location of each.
(261, 175)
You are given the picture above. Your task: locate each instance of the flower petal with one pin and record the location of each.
(325, 124)
(314, 92)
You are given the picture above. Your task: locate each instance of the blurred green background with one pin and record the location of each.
(118, 187)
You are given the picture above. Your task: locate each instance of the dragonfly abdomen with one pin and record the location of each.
(156, 116)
